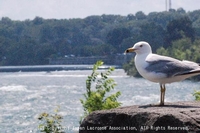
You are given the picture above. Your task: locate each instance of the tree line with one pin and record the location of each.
(33, 42)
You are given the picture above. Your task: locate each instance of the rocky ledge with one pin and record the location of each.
(179, 117)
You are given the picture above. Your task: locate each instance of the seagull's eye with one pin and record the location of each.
(141, 45)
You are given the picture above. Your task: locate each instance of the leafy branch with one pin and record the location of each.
(51, 123)
(95, 99)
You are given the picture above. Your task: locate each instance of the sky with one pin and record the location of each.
(65, 9)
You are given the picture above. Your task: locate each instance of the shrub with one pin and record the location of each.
(95, 99)
(130, 69)
(196, 94)
(50, 123)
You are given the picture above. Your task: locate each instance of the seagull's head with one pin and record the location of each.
(140, 48)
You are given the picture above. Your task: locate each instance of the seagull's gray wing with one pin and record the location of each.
(170, 66)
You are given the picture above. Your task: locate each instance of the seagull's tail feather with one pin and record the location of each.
(192, 73)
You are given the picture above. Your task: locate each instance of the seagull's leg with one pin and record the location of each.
(162, 94)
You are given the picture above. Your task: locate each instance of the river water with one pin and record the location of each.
(24, 95)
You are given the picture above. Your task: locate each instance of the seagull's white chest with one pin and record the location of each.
(141, 64)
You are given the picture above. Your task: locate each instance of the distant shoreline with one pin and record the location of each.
(39, 68)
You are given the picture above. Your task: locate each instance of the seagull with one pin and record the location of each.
(161, 69)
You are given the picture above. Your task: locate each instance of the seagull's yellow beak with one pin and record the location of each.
(129, 50)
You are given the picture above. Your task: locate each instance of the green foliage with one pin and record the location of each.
(196, 94)
(183, 49)
(50, 123)
(130, 69)
(140, 15)
(152, 33)
(98, 99)
(117, 35)
(33, 42)
(180, 28)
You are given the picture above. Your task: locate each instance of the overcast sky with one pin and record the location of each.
(61, 9)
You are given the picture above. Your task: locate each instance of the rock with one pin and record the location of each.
(179, 117)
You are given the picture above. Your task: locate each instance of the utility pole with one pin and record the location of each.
(170, 4)
(166, 5)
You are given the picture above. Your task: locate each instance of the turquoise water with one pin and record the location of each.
(24, 95)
